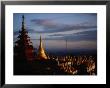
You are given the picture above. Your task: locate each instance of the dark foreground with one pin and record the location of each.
(56, 66)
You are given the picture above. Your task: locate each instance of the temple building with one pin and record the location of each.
(23, 48)
(41, 52)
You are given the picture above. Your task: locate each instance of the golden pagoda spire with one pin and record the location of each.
(41, 53)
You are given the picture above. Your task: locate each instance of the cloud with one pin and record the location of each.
(28, 30)
(85, 35)
(93, 14)
(45, 22)
(50, 26)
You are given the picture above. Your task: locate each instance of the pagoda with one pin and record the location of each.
(23, 48)
(41, 52)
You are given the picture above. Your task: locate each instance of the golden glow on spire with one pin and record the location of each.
(41, 53)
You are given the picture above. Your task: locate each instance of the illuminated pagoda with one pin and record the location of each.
(23, 46)
(41, 52)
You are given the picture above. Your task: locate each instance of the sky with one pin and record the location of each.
(78, 29)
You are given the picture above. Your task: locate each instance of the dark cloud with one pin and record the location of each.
(45, 22)
(86, 35)
(80, 36)
(63, 35)
(51, 27)
(92, 14)
(88, 14)
(28, 30)
(66, 28)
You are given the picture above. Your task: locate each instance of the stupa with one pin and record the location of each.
(41, 52)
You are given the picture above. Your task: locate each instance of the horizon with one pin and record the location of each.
(78, 29)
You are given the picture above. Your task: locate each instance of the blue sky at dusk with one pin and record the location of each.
(78, 29)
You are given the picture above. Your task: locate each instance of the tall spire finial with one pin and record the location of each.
(40, 41)
(23, 22)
